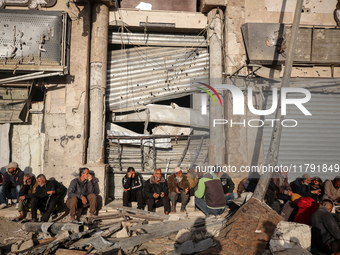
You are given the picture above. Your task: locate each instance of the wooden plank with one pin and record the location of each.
(7, 93)
(69, 252)
(15, 105)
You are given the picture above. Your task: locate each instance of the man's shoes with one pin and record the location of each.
(17, 219)
(182, 209)
(173, 208)
(17, 206)
(2, 206)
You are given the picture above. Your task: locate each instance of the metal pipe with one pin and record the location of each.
(273, 152)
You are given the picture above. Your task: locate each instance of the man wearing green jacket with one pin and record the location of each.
(209, 197)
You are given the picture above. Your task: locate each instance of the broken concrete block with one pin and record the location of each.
(183, 235)
(26, 245)
(123, 233)
(287, 235)
(249, 230)
(187, 247)
(16, 245)
(295, 250)
(174, 217)
(204, 245)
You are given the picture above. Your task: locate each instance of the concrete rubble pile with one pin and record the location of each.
(250, 230)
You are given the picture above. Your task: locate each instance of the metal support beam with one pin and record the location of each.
(98, 70)
(273, 151)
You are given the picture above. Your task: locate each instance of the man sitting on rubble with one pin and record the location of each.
(45, 197)
(209, 197)
(301, 186)
(325, 231)
(281, 181)
(228, 187)
(81, 194)
(193, 177)
(332, 189)
(13, 179)
(133, 188)
(156, 192)
(178, 186)
(25, 194)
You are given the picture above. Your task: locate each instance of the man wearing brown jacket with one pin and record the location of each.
(178, 186)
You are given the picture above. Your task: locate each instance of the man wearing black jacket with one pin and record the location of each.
(156, 192)
(29, 187)
(325, 230)
(301, 186)
(45, 197)
(132, 184)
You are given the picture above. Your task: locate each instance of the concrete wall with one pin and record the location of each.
(27, 143)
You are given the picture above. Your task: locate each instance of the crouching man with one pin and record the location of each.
(178, 186)
(81, 194)
(156, 192)
(209, 196)
(133, 186)
(45, 197)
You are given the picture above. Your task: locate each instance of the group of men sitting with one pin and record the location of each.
(306, 200)
(33, 194)
(212, 192)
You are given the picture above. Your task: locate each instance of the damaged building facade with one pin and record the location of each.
(113, 84)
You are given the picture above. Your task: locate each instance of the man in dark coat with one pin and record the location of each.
(45, 197)
(178, 186)
(325, 231)
(13, 180)
(133, 188)
(156, 192)
(301, 186)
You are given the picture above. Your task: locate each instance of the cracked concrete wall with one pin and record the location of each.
(27, 143)
(315, 12)
(67, 104)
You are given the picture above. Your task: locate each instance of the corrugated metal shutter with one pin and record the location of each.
(316, 138)
(143, 75)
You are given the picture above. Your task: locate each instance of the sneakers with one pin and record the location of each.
(2, 206)
(17, 206)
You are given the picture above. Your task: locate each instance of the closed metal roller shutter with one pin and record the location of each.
(315, 140)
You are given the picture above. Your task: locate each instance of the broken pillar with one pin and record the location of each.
(217, 137)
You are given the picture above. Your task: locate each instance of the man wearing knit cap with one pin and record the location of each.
(13, 180)
(178, 186)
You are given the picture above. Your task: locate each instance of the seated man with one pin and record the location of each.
(156, 192)
(81, 193)
(133, 188)
(193, 178)
(178, 186)
(281, 181)
(228, 187)
(13, 179)
(332, 189)
(316, 184)
(325, 231)
(301, 186)
(29, 187)
(45, 197)
(209, 196)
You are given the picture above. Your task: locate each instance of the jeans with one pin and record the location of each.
(202, 205)
(229, 198)
(12, 193)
